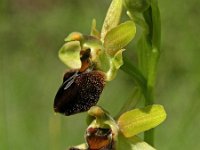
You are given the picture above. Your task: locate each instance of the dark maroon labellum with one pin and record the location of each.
(79, 91)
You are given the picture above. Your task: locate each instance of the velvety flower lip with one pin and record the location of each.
(81, 88)
(79, 91)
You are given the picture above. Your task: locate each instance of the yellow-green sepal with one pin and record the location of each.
(112, 17)
(139, 120)
(118, 37)
(69, 54)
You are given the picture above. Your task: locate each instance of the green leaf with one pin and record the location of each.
(138, 120)
(133, 143)
(112, 17)
(115, 63)
(118, 37)
(69, 54)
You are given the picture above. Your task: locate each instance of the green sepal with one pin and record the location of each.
(112, 17)
(69, 54)
(139, 120)
(133, 143)
(115, 63)
(118, 37)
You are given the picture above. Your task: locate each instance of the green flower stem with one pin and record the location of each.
(148, 56)
(152, 17)
(152, 69)
(149, 96)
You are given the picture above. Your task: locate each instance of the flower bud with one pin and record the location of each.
(137, 5)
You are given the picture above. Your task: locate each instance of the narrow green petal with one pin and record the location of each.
(118, 37)
(112, 17)
(94, 32)
(138, 120)
(69, 54)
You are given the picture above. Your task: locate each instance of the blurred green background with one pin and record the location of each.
(31, 32)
